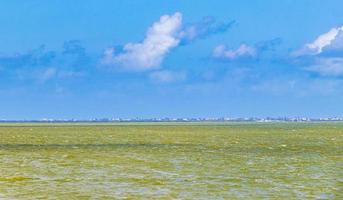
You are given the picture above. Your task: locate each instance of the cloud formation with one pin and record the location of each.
(324, 55)
(332, 40)
(327, 66)
(160, 38)
(222, 52)
(164, 35)
(43, 65)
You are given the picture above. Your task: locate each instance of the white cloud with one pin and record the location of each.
(328, 66)
(167, 76)
(160, 38)
(331, 40)
(323, 55)
(244, 50)
(164, 35)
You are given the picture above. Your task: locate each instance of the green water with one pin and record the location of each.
(229, 161)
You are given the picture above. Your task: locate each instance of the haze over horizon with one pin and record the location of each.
(89, 59)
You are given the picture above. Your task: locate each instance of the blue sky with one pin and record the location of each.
(85, 59)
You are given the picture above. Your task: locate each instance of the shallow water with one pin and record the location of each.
(251, 161)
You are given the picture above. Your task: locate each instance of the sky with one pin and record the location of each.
(86, 59)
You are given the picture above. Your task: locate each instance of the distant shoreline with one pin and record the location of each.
(157, 123)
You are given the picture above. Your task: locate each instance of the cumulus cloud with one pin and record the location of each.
(332, 40)
(166, 76)
(222, 52)
(160, 38)
(164, 35)
(262, 49)
(324, 55)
